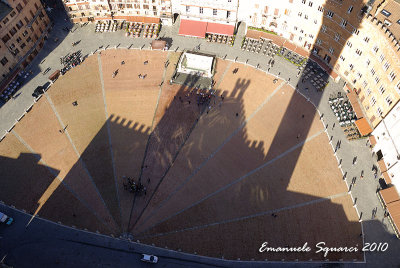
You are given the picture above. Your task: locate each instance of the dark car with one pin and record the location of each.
(38, 91)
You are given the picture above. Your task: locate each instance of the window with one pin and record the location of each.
(366, 39)
(228, 14)
(389, 100)
(214, 12)
(373, 71)
(303, 1)
(364, 84)
(6, 38)
(358, 52)
(398, 87)
(4, 61)
(392, 76)
(26, 20)
(379, 112)
(299, 14)
(343, 23)
(19, 25)
(331, 50)
(385, 13)
(13, 31)
(337, 37)
(12, 14)
(368, 61)
(350, 9)
(381, 57)
(23, 45)
(19, 8)
(372, 101)
(359, 75)
(377, 79)
(355, 31)
(187, 8)
(28, 40)
(5, 21)
(18, 39)
(351, 66)
(201, 10)
(319, 41)
(382, 89)
(342, 58)
(310, 4)
(25, 33)
(368, 91)
(323, 28)
(306, 17)
(386, 66)
(320, 9)
(375, 49)
(330, 14)
(349, 44)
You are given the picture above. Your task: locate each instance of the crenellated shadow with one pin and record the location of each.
(248, 165)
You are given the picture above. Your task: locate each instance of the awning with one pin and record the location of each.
(394, 212)
(354, 103)
(218, 28)
(387, 178)
(193, 28)
(389, 195)
(382, 165)
(372, 140)
(363, 127)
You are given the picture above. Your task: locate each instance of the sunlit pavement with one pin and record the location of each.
(364, 190)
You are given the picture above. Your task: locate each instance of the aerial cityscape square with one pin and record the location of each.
(225, 133)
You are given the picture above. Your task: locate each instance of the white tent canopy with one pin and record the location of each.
(197, 64)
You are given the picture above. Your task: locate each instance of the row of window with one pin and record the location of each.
(215, 11)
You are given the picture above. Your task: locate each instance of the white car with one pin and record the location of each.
(149, 258)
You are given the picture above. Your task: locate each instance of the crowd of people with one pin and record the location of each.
(133, 187)
(70, 61)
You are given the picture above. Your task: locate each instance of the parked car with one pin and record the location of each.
(5, 219)
(38, 91)
(149, 258)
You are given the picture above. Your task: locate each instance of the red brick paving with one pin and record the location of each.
(23, 179)
(242, 239)
(87, 125)
(130, 106)
(57, 152)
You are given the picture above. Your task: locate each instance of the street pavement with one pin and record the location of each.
(49, 243)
